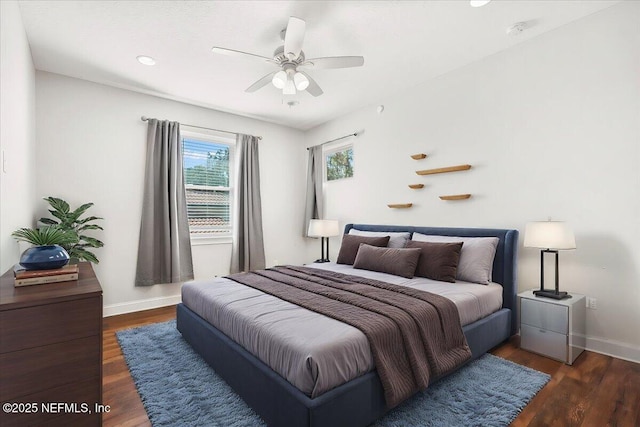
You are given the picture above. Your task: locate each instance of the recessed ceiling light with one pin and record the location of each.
(146, 60)
(478, 3)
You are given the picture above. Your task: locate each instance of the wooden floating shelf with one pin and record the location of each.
(443, 170)
(418, 156)
(455, 197)
(400, 205)
(416, 186)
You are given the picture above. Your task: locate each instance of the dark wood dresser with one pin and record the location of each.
(51, 352)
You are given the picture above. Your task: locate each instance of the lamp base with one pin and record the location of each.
(551, 294)
(322, 260)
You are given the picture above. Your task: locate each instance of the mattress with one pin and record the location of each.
(313, 352)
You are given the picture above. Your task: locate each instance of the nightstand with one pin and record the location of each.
(553, 328)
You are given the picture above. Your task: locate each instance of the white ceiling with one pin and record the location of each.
(404, 43)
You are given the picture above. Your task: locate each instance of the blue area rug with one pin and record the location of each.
(178, 388)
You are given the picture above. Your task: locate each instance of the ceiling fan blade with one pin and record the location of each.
(313, 87)
(294, 37)
(334, 62)
(261, 83)
(239, 54)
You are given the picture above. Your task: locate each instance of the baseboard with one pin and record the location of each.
(139, 305)
(620, 350)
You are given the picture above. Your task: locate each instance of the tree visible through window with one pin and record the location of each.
(207, 184)
(340, 164)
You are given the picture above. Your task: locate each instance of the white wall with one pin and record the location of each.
(17, 132)
(91, 148)
(552, 128)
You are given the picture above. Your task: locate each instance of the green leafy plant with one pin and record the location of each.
(69, 220)
(45, 236)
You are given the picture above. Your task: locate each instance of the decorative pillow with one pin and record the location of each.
(397, 239)
(438, 261)
(350, 244)
(476, 257)
(398, 261)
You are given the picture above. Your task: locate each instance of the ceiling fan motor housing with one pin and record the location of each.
(280, 57)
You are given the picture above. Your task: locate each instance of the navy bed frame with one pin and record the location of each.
(360, 401)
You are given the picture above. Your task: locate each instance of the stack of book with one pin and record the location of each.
(37, 277)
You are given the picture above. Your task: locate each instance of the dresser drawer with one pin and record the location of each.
(29, 371)
(49, 323)
(544, 315)
(545, 342)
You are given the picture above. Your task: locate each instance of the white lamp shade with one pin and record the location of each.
(279, 79)
(549, 235)
(301, 81)
(323, 228)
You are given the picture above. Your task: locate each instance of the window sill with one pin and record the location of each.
(200, 240)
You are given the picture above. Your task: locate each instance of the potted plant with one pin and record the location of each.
(71, 221)
(47, 252)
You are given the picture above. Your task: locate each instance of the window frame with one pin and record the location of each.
(218, 138)
(337, 147)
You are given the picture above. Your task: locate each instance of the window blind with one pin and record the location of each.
(206, 172)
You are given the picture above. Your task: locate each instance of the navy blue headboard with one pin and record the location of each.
(504, 264)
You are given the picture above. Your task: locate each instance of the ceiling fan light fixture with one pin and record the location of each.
(301, 81)
(289, 88)
(280, 79)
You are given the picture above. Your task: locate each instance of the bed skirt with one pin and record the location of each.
(356, 403)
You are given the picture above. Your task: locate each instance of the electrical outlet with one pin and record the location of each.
(592, 303)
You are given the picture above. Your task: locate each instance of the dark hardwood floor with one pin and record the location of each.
(596, 391)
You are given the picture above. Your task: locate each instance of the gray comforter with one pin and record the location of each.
(414, 335)
(314, 352)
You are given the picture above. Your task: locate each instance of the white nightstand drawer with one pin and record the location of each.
(543, 315)
(545, 342)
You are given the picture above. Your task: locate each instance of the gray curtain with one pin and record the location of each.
(314, 203)
(164, 250)
(248, 242)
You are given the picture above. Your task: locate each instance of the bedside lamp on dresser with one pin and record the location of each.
(550, 237)
(323, 228)
(552, 323)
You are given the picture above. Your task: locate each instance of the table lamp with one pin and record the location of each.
(323, 228)
(550, 237)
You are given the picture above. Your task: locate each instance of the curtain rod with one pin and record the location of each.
(145, 118)
(337, 139)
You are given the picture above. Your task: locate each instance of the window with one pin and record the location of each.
(339, 163)
(208, 183)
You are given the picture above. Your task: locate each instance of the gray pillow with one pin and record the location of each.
(397, 261)
(476, 257)
(438, 261)
(397, 239)
(351, 243)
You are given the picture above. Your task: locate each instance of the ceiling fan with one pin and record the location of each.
(289, 58)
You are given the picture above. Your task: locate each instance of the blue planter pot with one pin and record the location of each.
(44, 257)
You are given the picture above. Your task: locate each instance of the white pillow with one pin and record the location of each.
(397, 239)
(476, 257)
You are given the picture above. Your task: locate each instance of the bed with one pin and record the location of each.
(360, 400)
